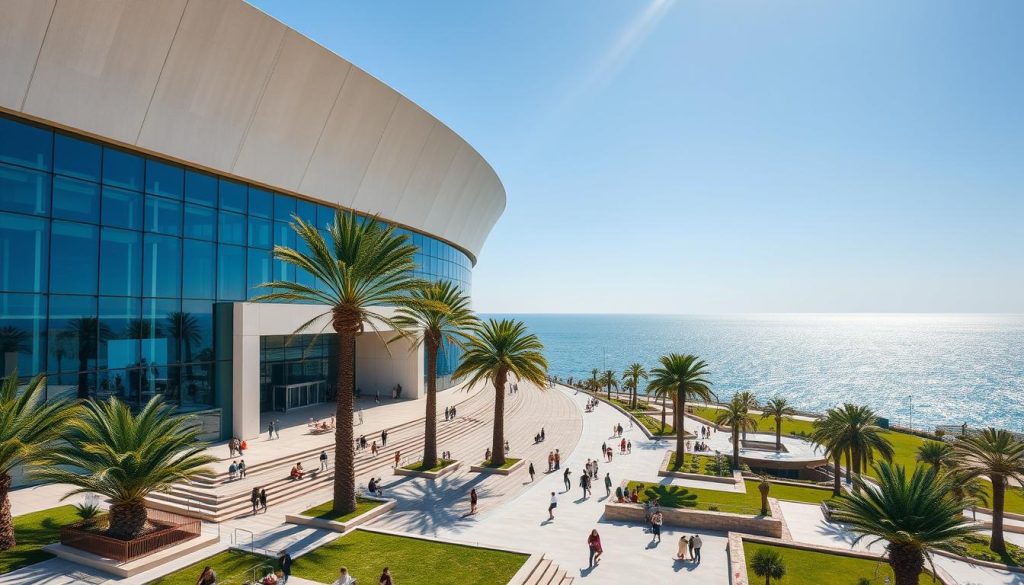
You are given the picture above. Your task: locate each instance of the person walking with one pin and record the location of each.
(472, 501)
(608, 484)
(384, 438)
(241, 469)
(565, 478)
(232, 471)
(323, 460)
(695, 544)
(270, 431)
(558, 459)
(596, 550)
(255, 499)
(277, 428)
(532, 471)
(656, 520)
(207, 577)
(551, 461)
(263, 499)
(398, 457)
(286, 566)
(585, 484)
(552, 506)
(385, 577)
(683, 548)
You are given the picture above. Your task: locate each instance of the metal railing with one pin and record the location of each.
(173, 529)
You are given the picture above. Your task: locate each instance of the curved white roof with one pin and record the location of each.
(221, 85)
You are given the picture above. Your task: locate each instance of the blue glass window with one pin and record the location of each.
(123, 169)
(198, 331)
(119, 319)
(23, 320)
(26, 145)
(301, 275)
(163, 216)
(199, 264)
(164, 179)
(122, 208)
(77, 200)
(284, 235)
(259, 272)
(306, 210)
(232, 228)
(231, 273)
(261, 202)
(200, 222)
(284, 207)
(161, 266)
(283, 271)
(157, 343)
(74, 257)
(233, 196)
(259, 233)
(200, 188)
(324, 215)
(24, 190)
(77, 158)
(120, 262)
(23, 253)
(74, 335)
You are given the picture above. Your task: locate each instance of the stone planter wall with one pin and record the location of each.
(700, 519)
(507, 471)
(347, 524)
(429, 474)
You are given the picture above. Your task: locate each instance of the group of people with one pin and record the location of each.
(539, 437)
(617, 430)
(689, 548)
(273, 430)
(513, 388)
(554, 460)
(346, 578)
(607, 452)
(258, 498)
(449, 413)
(699, 446)
(236, 470)
(320, 426)
(624, 495)
(706, 432)
(376, 487)
(237, 446)
(591, 404)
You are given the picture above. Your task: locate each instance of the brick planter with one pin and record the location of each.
(700, 519)
(454, 465)
(506, 471)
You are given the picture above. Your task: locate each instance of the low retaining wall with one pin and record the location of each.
(506, 471)
(735, 479)
(429, 474)
(348, 524)
(700, 519)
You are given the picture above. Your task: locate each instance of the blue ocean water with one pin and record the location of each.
(957, 368)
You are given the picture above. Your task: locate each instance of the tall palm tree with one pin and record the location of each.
(738, 418)
(681, 377)
(363, 267)
(495, 350)
(863, 437)
(828, 432)
(631, 381)
(110, 451)
(912, 515)
(29, 427)
(998, 455)
(938, 454)
(442, 314)
(595, 380)
(778, 408)
(609, 379)
(750, 402)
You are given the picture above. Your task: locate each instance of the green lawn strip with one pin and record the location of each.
(701, 464)
(418, 466)
(749, 503)
(654, 425)
(231, 566)
(977, 547)
(795, 493)
(509, 462)
(790, 426)
(34, 531)
(805, 567)
(324, 511)
(412, 561)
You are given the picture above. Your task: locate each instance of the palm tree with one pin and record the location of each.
(595, 380)
(631, 381)
(608, 379)
(29, 427)
(935, 453)
(110, 451)
(142, 329)
(750, 402)
(778, 408)
(738, 418)
(863, 437)
(364, 266)
(495, 350)
(767, 563)
(912, 515)
(998, 455)
(681, 377)
(764, 486)
(828, 432)
(441, 311)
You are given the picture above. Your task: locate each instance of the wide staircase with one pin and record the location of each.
(547, 572)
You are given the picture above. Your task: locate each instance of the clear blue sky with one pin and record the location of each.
(721, 156)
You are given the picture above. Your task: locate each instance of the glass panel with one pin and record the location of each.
(200, 222)
(163, 216)
(199, 264)
(22, 334)
(161, 269)
(122, 169)
(158, 348)
(231, 273)
(164, 178)
(259, 272)
(301, 276)
(74, 332)
(324, 215)
(284, 235)
(233, 196)
(23, 253)
(283, 271)
(232, 228)
(122, 208)
(75, 157)
(74, 199)
(120, 319)
(120, 262)
(24, 144)
(306, 210)
(24, 191)
(200, 188)
(74, 257)
(198, 335)
(259, 233)
(261, 202)
(284, 207)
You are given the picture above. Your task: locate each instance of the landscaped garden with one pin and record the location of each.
(231, 566)
(805, 567)
(34, 531)
(509, 462)
(977, 547)
(674, 496)
(702, 464)
(418, 466)
(325, 512)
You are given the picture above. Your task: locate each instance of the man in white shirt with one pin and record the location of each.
(344, 578)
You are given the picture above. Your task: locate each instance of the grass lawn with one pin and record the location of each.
(654, 425)
(795, 493)
(231, 566)
(34, 531)
(764, 425)
(412, 561)
(977, 547)
(324, 512)
(672, 496)
(702, 464)
(509, 462)
(418, 466)
(815, 568)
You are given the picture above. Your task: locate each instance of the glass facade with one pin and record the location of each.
(111, 263)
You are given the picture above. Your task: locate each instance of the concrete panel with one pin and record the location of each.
(469, 201)
(291, 116)
(350, 138)
(450, 191)
(100, 63)
(21, 36)
(481, 222)
(394, 160)
(380, 367)
(216, 72)
(425, 182)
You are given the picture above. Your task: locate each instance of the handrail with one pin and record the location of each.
(252, 538)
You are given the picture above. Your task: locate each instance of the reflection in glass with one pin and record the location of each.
(74, 249)
(74, 157)
(76, 200)
(24, 190)
(22, 333)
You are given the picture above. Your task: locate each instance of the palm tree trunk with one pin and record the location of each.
(498, 438)
(662, 413)
(344, 451)
(837, 475)
(856, 468)
(430, 433)
(127, 520)
(680, 434)
(7, 540)
(907, 564)
(735, 448)
(778, 433)
(849, 474)
(998, 545)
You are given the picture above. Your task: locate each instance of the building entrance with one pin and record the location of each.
(295, 371)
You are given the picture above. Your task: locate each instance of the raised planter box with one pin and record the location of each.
(347, 524)
(451, 467)
(499, 471)
(173, 529)
(735, 478)
(700, 519)
(131, 568)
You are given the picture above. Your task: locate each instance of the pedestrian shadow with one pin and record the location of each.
(581, 500)
(680, 564)
(546, 522)
(586, 572)
(653, 544)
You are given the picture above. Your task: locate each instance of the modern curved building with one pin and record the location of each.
(153, 153)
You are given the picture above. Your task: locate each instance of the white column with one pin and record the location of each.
(245, 390)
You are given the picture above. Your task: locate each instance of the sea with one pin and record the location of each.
(913, 369)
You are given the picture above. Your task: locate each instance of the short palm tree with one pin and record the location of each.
(595, 380)
(608, 380)
(764, 485)
(363, 267)
(779, 409)
(681, 377)
(935, 453)
(631, 381)
(828, 432)
(912, 515)
(496, 350)
(738, 418)
(110, 451)
(440, 313)
(999, 456)
(29, 427)
(767, 563)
